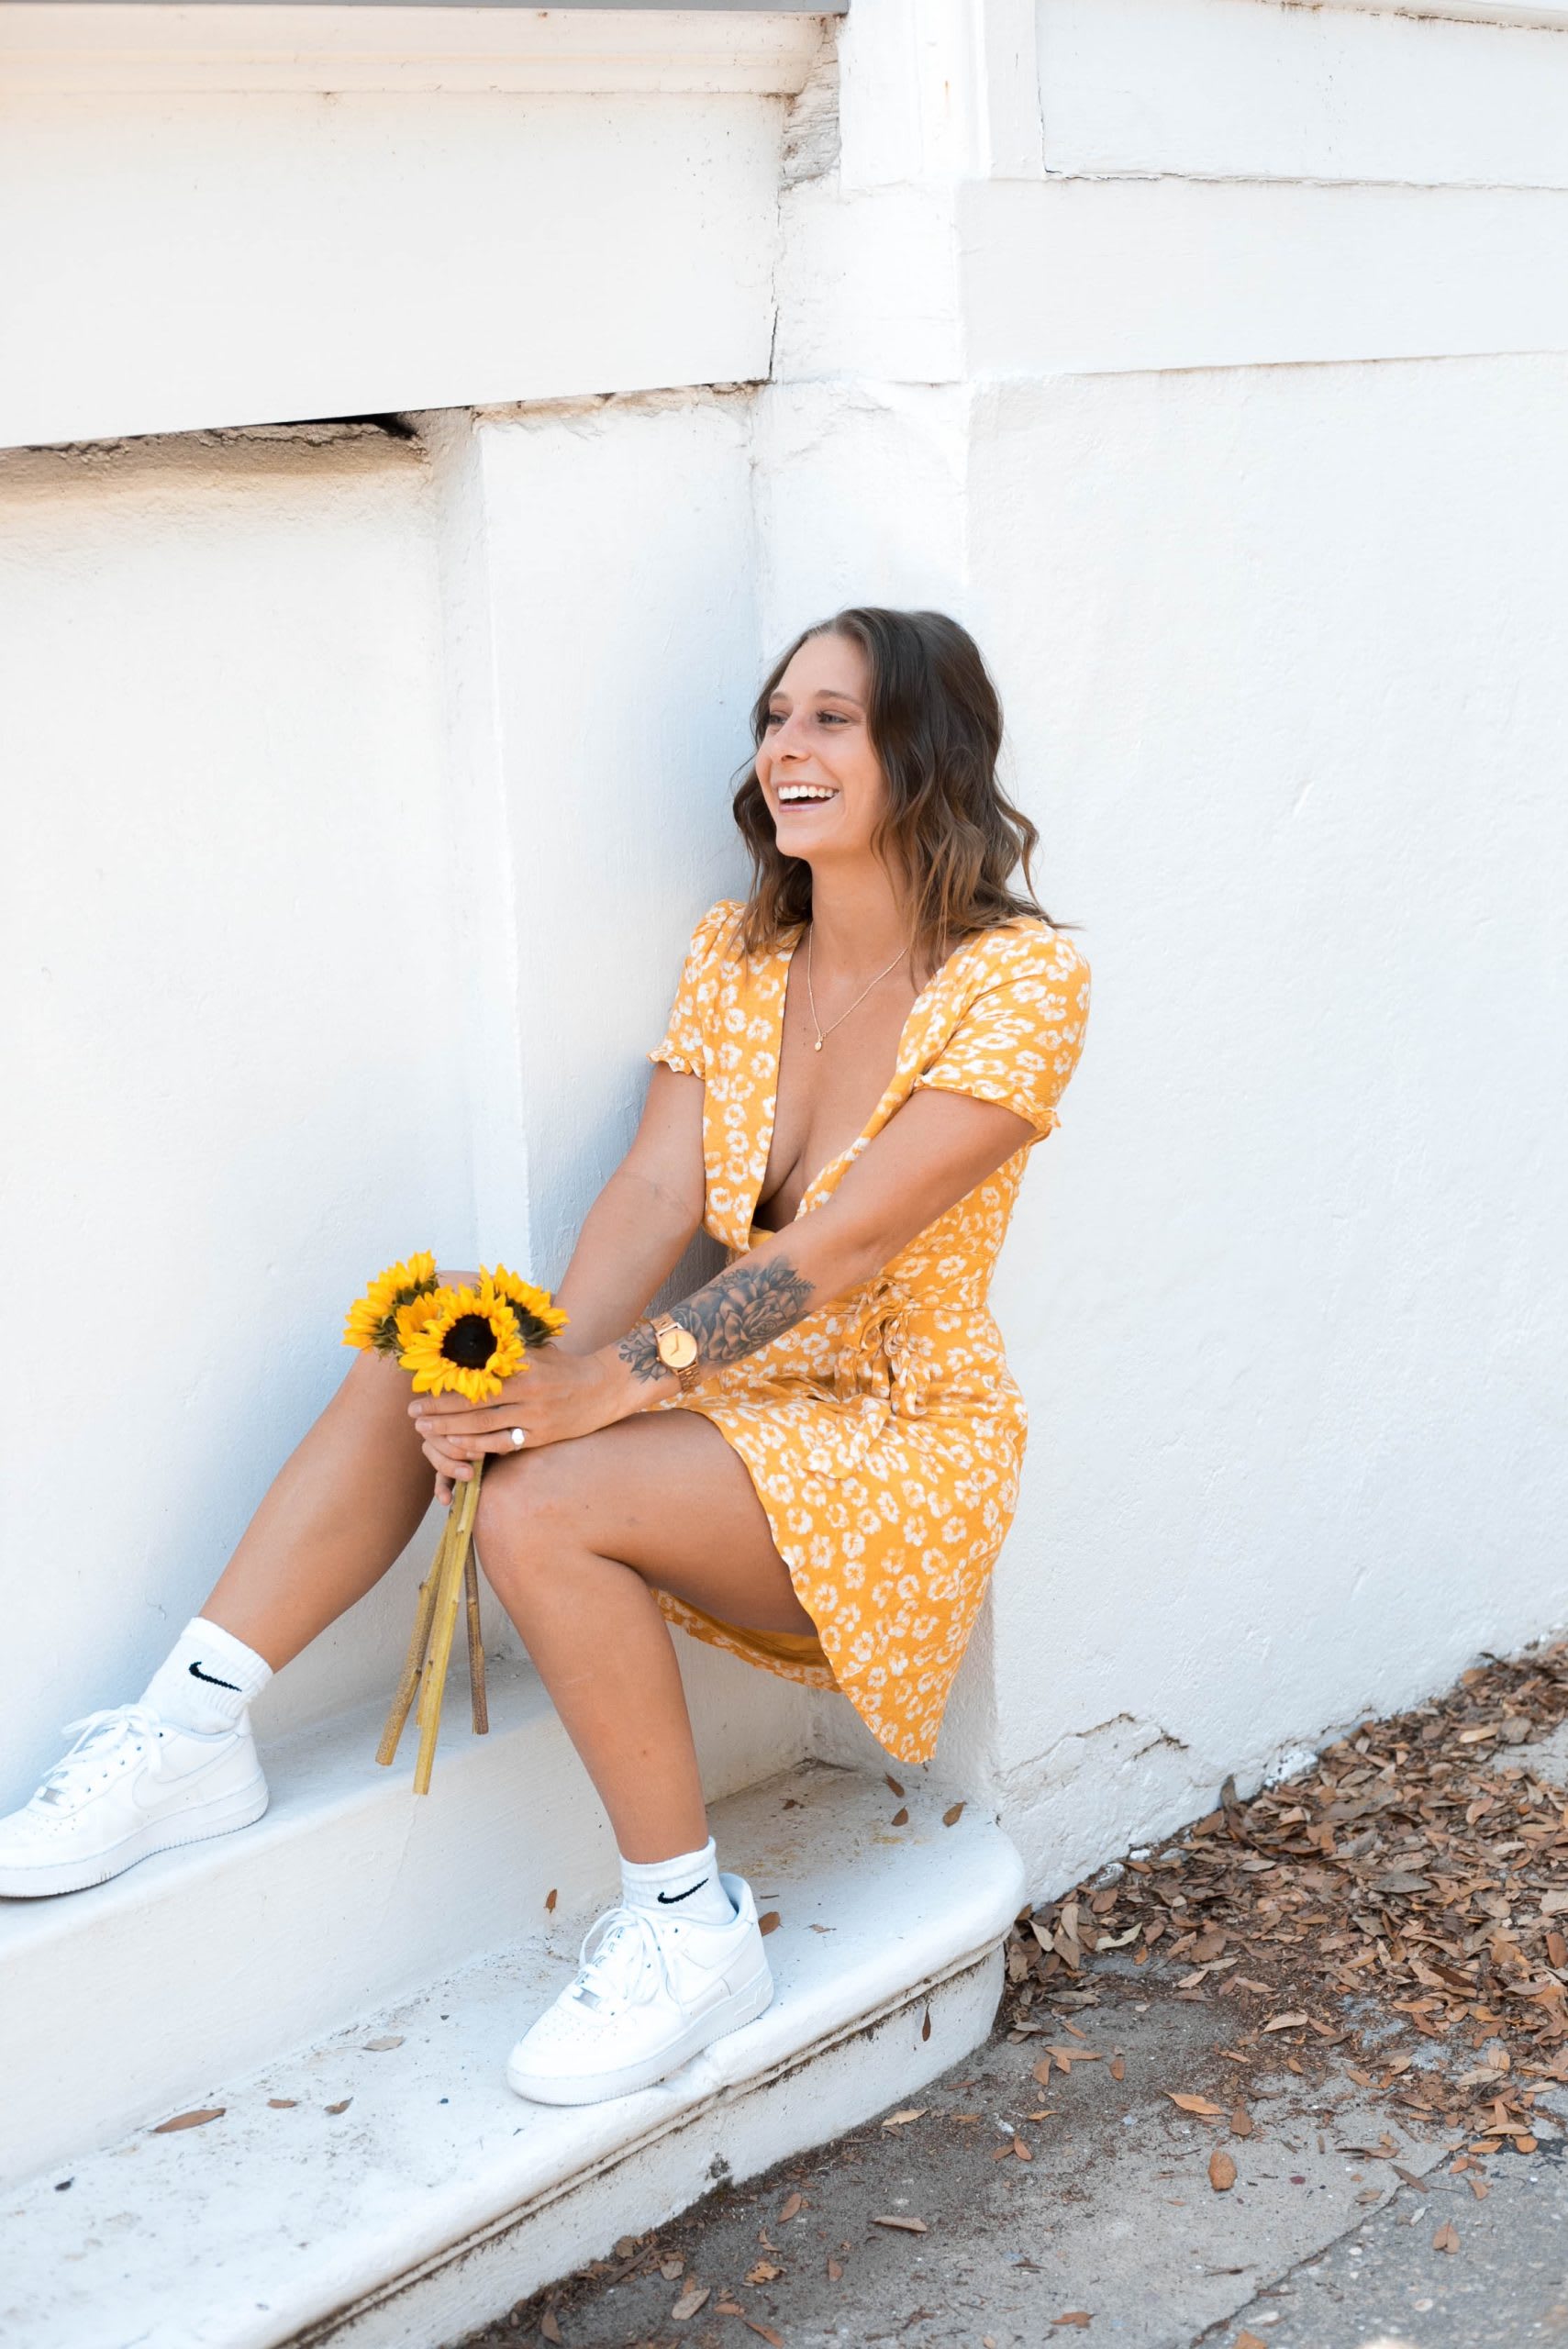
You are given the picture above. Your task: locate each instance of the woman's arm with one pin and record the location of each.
(932, 1153)
(642, 1221)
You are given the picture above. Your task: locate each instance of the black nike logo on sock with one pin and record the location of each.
(212, 1680)
(668, 1900)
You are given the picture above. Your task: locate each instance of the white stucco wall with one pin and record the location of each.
(230, 988)
(1205, 357)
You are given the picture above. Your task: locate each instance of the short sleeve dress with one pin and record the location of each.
(884, 1433)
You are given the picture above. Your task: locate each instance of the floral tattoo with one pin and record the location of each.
(740, 1309)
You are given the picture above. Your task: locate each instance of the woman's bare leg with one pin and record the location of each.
(344, 1505)
(572, 1537)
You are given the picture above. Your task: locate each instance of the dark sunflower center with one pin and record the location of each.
(470, 1343)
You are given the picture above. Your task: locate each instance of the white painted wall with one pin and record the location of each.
(1204, 360)
(233, 214)
(229, 987)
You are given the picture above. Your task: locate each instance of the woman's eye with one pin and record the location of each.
(833, 717)
(774, 718)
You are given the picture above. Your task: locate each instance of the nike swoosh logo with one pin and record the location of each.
(668, 1900)
(212, 1682)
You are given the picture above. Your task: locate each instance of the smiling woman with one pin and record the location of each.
(814, 1460)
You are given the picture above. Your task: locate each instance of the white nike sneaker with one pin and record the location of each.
(650, 1992)
(131, 1784)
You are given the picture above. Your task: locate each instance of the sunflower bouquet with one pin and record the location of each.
(467, 1342)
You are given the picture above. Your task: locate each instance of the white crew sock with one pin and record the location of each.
(687, 1885)
(207, 1680)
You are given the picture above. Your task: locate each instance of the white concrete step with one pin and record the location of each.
(200, 1963)
(434, 2196)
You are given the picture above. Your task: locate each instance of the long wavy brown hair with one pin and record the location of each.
(950, 832)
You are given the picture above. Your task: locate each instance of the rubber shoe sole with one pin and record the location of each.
(733, 2013)
(220, 1818)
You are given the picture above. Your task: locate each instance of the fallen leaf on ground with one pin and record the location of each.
(694, 2297)
(835, 2271)
(1043, 2071)
(1074, 2316)
(190, 2120)
(1446, 2237)
(1285, 2023)
(1199, 2104)
(1021, 2150)
(1249, 2341)
(764, 2272)
(951, 1816)
(911, 2112)
(1119, 2068)
(671, 2267)
(282, 2103)
(794, 2204)
(899, 1818)
(909, 2226)
(889, 1780)
(770, 1923)
(548, 2328)
(380, 2046)
(766, 2332)
(343, 2106)
(729, 2307)
(1241, 2122)
(1222, 2171)
(550, 1900)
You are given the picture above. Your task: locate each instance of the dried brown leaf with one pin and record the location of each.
(791, 2208)
(550, 1901)
(764, 2272)
(835, 2272)
(1074, 2316)
(1285, 2023)
(282, 2103)
(1446, 2237)
(549, 2330)
(672, 2266)
(902, 2119)
(1119, 2068)
(951, 1816)
(1222, 2171)
(899, 1818)
(1199, 2104)
(770, 1923)
(906, 2226)
(694, 2296)
(343, 2106)
(1241, 2122)
(189, 2120)
(380, 2046)
(889, 1780)
(764, 2332)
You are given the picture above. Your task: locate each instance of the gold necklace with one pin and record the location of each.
(823, 1033)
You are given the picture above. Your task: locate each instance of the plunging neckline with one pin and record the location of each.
(771, 1114)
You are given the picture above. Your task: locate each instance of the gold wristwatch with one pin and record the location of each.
(678, 1349)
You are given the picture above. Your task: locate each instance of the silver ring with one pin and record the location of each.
(520, 1437)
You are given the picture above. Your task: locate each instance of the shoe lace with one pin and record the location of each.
(622, 1960)
(100, 1739)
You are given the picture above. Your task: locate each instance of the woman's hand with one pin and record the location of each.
(556, 1396)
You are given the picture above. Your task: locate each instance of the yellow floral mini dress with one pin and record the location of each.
(883, 1433)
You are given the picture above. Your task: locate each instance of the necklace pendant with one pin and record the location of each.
(817, 1047)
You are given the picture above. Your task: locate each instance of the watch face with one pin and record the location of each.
(677, 1347)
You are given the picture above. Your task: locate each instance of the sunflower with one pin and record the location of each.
(373, 1321)
(538, 1320)
(460, 1341)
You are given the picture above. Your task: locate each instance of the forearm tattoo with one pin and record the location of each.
(741, 1309)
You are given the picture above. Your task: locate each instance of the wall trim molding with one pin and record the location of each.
(128, 45)
(1533, 16)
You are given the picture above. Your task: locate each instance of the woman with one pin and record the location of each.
(812, 1462)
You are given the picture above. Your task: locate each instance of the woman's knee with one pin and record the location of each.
(524, 1509)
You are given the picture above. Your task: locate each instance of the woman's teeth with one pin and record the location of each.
(791, 795)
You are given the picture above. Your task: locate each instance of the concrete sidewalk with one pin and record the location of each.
(1111, 2228)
